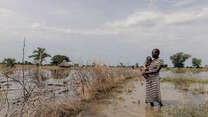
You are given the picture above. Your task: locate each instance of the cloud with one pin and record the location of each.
(35, 25)
(138, 21)
(179, 3)
(139, 18)
(5, 12)
(135, 18)
(60, 12)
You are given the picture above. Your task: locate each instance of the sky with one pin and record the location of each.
(105, 31)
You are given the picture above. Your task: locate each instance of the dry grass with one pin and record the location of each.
(92, 82)
(60, 108)
(104, 79)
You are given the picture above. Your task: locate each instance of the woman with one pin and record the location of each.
(153, 80)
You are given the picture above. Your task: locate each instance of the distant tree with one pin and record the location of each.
(121, 64)
(39, 55)
(57, 59)
(28, 63)
(178, 59)
(196, 62)
(9, 62)
(137, 65)
(165, 65)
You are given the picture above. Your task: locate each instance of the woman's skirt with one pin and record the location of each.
(153, 93)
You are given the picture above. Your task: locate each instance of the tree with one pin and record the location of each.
(57, 59)
(178, 59)
(10, 62)
(165, 66)
(137, 65)
(39, 55)
(196, 62)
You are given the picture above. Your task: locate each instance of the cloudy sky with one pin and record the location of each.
(109, 31)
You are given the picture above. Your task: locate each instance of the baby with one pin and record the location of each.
(147, 63)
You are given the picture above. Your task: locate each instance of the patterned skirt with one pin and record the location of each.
(153, 89)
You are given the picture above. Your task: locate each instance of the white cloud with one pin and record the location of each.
(178, 3)
(35, 25)
(185, 16)
(160, 17)
(60, 12)
(5, 12)
(133, 23)
(135, 18)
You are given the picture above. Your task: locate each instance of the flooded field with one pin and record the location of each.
(26, 92)
(47, 89)
(201, 75)
(128, 100)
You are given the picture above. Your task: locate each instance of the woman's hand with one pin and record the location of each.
(143, 73)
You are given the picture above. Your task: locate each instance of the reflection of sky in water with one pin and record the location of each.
(202, 75)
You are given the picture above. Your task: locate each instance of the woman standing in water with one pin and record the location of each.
(153, 79)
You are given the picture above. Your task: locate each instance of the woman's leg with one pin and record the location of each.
(160, 103)
(152, 104)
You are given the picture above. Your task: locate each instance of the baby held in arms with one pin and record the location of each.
(147, 63)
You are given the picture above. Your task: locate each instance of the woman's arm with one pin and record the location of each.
(153, 71)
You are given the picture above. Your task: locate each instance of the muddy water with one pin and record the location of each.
(128, 101)
(202, 75)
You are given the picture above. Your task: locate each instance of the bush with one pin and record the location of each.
(9, 62)
(57, 59)
(196, 62)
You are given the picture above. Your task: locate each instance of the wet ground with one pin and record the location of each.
(128, 101)
(125, 101)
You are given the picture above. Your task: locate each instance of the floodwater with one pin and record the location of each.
(128, 101)
(41, 85)
(170, 74)
(125, 101)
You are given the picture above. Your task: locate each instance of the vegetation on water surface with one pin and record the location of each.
(186, 110)
(184, 84)
(183, 80)
(184, 70)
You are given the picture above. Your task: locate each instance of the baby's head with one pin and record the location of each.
(148, 60)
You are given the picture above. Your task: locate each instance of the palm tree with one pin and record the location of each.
(39, 55)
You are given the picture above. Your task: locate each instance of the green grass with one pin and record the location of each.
(184, 70)
(184, 83)
(179, 80)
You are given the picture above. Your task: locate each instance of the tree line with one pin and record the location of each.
(178, 60)
(39, 55)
